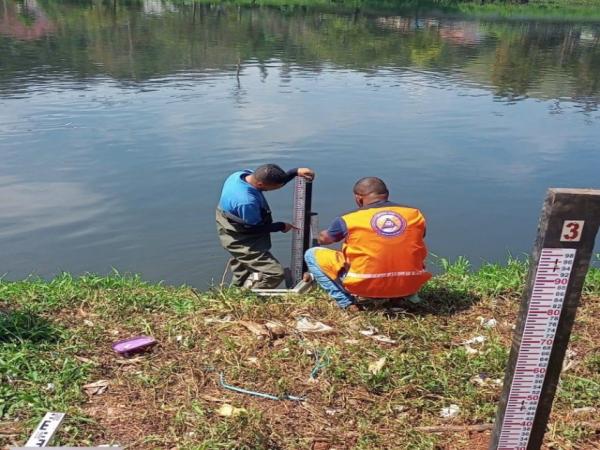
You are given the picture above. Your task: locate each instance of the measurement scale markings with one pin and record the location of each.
(532, 358)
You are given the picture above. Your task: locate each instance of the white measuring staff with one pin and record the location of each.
(545, 307)
(303, 221)
(298, 234)
(45, 430)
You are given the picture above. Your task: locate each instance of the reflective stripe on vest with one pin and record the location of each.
(385, 275)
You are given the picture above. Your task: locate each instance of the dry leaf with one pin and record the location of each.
(276, 329)
(255, 328)
(210, 398)
(228, 410)
(375, 367)
(96, 388)
(85, 360)
(377, 337)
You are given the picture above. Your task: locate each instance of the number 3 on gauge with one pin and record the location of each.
(571, 231)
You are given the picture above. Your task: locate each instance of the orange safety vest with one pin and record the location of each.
(385, 251)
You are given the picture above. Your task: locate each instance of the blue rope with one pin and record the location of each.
(322, 361)
(257, 394)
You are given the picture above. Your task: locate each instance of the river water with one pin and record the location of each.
(119, 122)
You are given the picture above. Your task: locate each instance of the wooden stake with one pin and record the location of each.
(559, 263)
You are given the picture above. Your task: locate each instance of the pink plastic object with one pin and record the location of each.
(133, 345)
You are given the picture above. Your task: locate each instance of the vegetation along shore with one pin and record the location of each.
(380, 379)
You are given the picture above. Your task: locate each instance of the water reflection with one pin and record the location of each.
(137, 41)
(26, 21)
(119, 122)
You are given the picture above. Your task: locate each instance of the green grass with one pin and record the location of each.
(55, 337)
(581, 10)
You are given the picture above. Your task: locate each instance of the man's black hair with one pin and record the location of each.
(370, 185)
(270, 174)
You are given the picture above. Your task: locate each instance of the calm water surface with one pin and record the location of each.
(119, 124)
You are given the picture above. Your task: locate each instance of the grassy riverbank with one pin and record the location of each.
(55, 337)
(585, 10)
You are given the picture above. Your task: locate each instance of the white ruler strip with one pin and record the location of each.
(545, 307)
(298, 234)
(45, 430)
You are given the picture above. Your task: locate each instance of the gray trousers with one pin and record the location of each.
(252, 263)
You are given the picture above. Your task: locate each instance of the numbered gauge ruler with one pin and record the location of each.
(545, 307)
(45, 430)
(301, 235)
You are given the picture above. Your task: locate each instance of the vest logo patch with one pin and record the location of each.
(388, 224)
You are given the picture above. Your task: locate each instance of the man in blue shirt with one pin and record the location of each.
(244, 224)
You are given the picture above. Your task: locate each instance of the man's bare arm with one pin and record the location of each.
(325, 238)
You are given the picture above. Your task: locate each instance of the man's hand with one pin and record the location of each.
(288, 227)
(307, 173)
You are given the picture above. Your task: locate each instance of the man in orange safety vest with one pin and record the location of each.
(383, 252)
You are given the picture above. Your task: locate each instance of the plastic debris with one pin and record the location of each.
(490, 323)
(226, 319)
(89, 323)
(450, 411)
(255, 393)
(384, 339)
(228, 410)
(96, 388)
(369, 331)
(470, 350)
(483, 380)
(475, 340)
(307, 325)
(375, 367)
(137, 344)
(378, 337)
(321, 361)
(414, 299)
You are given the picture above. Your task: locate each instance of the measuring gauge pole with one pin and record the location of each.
(45, 430)
(559, 263)
(302, 221)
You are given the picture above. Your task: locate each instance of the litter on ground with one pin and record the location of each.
(308, 325)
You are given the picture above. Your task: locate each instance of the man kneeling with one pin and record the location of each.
(383, 254)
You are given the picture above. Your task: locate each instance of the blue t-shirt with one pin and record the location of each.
(242, 199)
